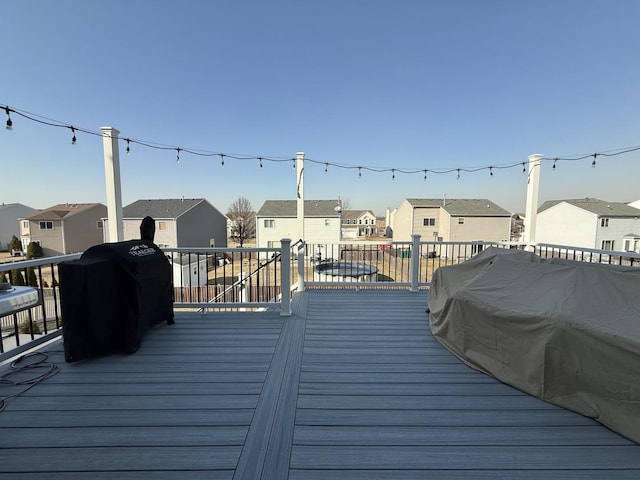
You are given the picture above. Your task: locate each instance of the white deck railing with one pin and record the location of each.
(257, 278)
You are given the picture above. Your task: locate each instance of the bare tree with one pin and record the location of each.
(243, 220)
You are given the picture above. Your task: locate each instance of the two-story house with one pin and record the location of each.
(185, 222)
(589, 223)
(10, 214)
(451, 220)
(358, 224)
(64, 228)
(277, 219)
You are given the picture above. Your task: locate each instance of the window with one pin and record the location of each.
(429, 222)
(25, 224)
(326, 222)
(46, 225)
(269, 223)
(99, 225)
(627, 245)
(460, 220)
(162, 225)
(604, 222)
(607, 244)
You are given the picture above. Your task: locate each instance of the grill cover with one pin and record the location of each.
(112, 296)
(567, 332)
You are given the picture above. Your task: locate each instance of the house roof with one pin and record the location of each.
(462, 206)
(170, 208)
(356, 213)
(62, 210)
(594, 205)
(288, 208)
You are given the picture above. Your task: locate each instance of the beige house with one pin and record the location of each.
(277, 219)
(64, 228)
(359, 224)
(451, 220)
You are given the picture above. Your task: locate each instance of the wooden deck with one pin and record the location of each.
(352, 386)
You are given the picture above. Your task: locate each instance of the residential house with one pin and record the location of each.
(277, 219)
(451, 220)
(186, 222)
(589, 223)
(64, 228)
(10, 214)
(358, 224)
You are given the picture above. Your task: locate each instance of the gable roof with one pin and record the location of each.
(289, 208)
(168, 208)
(462, 206)
(356, 214)
(596, 206)
(62, 210)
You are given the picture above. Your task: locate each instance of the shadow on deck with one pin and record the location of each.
(352, 386)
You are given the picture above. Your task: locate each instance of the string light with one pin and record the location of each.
(393, 174)
(9, 122)
(524, 169)
(425, 175)
(458, 171)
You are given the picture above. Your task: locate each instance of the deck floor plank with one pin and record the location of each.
(351, 386)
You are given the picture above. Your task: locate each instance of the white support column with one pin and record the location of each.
(300, 255)
(415, 262)
(285, 281)
(531, 210)
(300, 193)
(112, 179)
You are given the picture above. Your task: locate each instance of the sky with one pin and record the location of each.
(389, 86)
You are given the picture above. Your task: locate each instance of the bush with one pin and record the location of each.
(29, 328)
(32, 281)
(15, 244)
(34, 250)
(17, 279)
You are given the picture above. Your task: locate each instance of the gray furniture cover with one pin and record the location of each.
(566, 332)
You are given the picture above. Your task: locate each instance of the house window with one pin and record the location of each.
(162, 225)
(46, 225)
(460, 220)
(607, 244)
(429, 222)
(604, 222)
(99, 225)
(25, 224)
(627, 245)
(269, 223)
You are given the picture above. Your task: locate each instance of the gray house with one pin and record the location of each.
(10, 213)
(188, 222)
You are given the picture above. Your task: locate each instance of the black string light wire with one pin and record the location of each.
(204, 153)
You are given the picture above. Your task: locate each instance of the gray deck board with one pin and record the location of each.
(351, 386)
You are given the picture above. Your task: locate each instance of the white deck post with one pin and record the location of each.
(285, 281)
(415, 261)
(300, 254)
(300, 193)
(112, 179)
(531, 209)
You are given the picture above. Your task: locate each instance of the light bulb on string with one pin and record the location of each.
(73, 139)
(425, 175)
(128, 147)
(554, 163)
(177, 155)
(524, 169)
(293, 161)
(458, 177)
(326, 168)
(359, 172)
(260, 160)
(222, 160)
(393, 174)
(491, 171)
(593, 164)
(9, 122)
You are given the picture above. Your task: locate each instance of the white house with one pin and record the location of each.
(589, 223)
(277, 219)
(358, 223)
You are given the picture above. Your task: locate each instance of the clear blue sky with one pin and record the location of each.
(406, 84)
